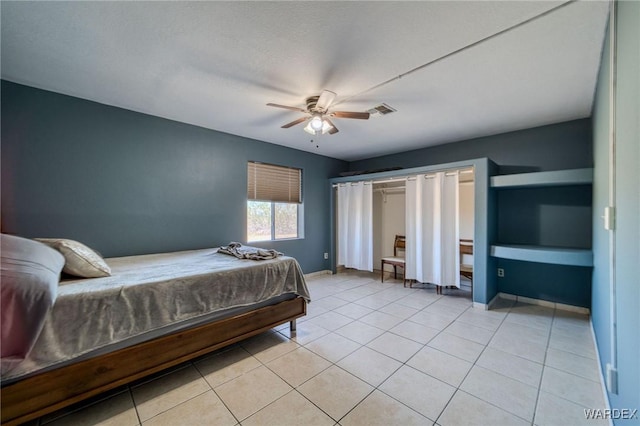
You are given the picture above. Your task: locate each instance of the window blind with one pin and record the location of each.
(268, 182)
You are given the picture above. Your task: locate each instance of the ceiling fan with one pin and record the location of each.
(318, 114)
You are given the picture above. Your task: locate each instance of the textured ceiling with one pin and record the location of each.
(216, 64)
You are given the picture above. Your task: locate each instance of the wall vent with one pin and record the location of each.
(382, 109)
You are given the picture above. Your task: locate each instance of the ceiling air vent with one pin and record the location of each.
(382, 109)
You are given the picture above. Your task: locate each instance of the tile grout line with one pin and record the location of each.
(135, 406)
(216, 393)
(544, 366)
(187, 364)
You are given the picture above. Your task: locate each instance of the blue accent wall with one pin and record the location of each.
(627, 202)
(559, 146)
(127, 183)
(555, 217)
(569, 285)
(600, 279)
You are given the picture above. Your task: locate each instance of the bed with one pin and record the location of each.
(151, 313)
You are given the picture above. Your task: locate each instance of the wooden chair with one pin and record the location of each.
(466, 270)
(398, 244)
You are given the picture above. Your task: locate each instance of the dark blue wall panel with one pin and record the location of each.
(554, 217)
(128, 183)
(555, 147)
(570, 285)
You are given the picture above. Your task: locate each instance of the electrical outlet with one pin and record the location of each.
(501, 272)
(326, 256)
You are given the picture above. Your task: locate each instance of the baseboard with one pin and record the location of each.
(532, 301)
(317, 274)
(486, 306)
(506, 296)
(603, 382)
(483, 306)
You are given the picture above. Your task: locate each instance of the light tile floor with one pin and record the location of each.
(371, 353)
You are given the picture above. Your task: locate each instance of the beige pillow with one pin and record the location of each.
(80, 260)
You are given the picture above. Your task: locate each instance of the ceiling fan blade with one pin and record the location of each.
(347, 114)
(333, 128)
(287, 107)
(293, 123)
(325, 100)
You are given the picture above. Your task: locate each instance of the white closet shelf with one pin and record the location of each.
(542, 254)
(544, 179)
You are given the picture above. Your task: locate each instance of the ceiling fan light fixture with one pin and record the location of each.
(324, 129)
(318, 113)
(317, 123)
(309, 129)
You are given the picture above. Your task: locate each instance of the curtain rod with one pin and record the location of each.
(405, 178)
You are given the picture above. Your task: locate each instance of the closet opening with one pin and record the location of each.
(389, 218)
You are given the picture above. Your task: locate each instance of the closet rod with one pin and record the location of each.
(392, 189)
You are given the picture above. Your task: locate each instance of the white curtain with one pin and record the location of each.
(450, 240)
(355, 225)
(432, 227)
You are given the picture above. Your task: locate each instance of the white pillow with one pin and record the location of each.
(30, 274)
(80, 260)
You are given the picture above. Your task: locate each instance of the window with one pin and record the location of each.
(274, 202)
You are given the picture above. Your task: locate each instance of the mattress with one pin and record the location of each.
(151, 295)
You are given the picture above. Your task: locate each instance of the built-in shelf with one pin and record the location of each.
(543, 179)
(541, 254)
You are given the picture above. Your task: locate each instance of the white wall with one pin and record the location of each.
(466, 210)
(391, 222)
(377, 227)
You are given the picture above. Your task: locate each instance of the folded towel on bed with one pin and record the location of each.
(244, 252)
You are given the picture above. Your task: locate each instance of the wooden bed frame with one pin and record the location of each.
(49, 391)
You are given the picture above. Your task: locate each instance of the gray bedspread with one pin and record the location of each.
(149, 292)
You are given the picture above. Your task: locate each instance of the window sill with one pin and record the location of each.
(275, 241)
